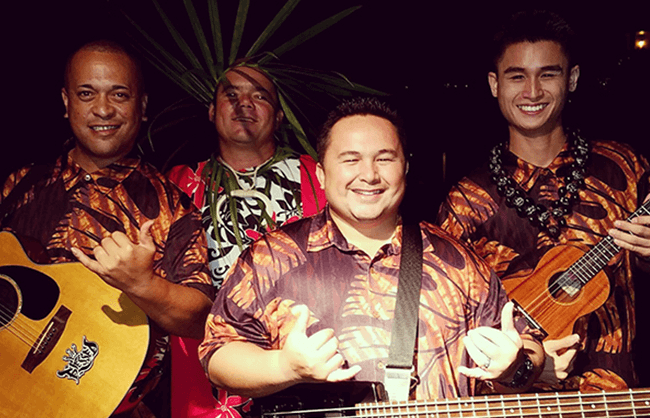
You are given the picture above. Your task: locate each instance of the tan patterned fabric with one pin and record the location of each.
(309, 262)
(71, 208)
(616, 183)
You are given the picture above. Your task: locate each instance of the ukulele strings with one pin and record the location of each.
(587, 266)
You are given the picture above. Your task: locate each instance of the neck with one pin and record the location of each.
(241, 157)
(369, 236)
(91, 164)
(537, 149)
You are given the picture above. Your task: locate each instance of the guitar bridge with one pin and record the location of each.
(47, 340)
(531, 321)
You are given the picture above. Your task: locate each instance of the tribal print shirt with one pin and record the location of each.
(616, 183)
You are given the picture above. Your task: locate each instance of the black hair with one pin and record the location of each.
(534, 26)
(359, 106)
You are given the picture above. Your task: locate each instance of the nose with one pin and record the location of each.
(533, 89)
(244, 100)
(368, 172)
(103, 108)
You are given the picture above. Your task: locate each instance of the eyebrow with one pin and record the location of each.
(113, 87)
(522, 69)
(358, 154)
(231, 87)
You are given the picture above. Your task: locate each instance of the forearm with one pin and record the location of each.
(248, 370)
(177, 309)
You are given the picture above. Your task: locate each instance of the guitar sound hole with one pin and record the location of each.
(564, 287)
(10, 301)
(39, 292)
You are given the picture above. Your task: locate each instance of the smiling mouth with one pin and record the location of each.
(243, 119)
(532, 108)
(368, 192)
(103, 128)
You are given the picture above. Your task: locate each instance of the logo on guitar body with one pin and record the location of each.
(79, 362)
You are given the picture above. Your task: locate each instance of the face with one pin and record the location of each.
(531, 84)
(363, 171)
(245, 111)
(104, 105)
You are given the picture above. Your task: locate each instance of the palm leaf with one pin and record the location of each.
(300, 133)
(200, 37)
(310, 33)
(273, 26)
(180, 42)
(215, 25)
(240, 20)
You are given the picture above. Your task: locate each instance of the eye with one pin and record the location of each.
(516, 77)
(84, 94)
(122, 96)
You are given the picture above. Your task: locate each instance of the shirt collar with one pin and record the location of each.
(105, 179)
(526, 174)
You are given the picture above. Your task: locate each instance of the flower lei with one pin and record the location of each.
(224, 184)
(550, 220)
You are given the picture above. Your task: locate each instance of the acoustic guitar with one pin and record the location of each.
(326, 400)
(553, 297)
(70, 345)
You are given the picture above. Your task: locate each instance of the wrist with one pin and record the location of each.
(522, 375)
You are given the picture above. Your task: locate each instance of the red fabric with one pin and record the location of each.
(191, 390)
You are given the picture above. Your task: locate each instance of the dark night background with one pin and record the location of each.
(429, 56)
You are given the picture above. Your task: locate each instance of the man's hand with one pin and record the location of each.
(559, 359)
(122, 263)
(314, 358)
(633, 235)
(495, 351)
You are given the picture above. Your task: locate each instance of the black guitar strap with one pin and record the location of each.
(397, 379)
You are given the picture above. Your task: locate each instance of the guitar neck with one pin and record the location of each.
(629, 403)
(597, 258)
(310, 401)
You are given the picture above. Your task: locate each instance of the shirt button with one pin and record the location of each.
(88, 177)
(380, 365)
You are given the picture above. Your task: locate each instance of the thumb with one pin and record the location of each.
(551, 346)
(300, 327)
(146, 239)
(508, 322)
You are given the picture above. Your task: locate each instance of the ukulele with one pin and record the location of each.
(553, 297)
(70, 345)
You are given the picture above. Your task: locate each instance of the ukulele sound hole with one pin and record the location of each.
(564, 286)
(10, 301)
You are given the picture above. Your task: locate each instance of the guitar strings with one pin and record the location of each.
(18, 326)
(629, 403)
(583, 269)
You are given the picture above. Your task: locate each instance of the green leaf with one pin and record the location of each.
(273, 26)
(200, 37)
(178, 38)
(237, 34)
(310, 33)
(300, 133)
(215, 25)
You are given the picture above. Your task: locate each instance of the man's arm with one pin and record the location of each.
(128, 266)
(248, 370)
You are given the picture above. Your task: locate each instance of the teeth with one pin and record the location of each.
(530, 108)
(368, 192)
(104, 128)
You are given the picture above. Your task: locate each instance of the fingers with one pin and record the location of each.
(340, 374)
(553, 346)
(508, 322)
(88, 262)
(145, 234)
(302, 313)
(633, 236)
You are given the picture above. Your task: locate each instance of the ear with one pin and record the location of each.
(320, 175)
(64, 96)
(573, 78)
(493, 81)
(145, 101)
(279, 116)
(211, 111)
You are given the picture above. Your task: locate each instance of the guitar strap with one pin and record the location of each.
(397, 379)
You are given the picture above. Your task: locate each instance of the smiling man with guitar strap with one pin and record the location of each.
(103, 206)
(545, 191)
(314, 301)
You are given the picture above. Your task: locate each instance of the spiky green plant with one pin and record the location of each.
(199, 74)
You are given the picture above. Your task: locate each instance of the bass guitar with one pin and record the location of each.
(320, 400)
(553, 297)
(70, 345)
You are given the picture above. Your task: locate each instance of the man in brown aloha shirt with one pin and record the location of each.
(117, 215)
(319, 294)
(588, 189)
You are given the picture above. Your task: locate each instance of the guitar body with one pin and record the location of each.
(554, 303)
(70, 345)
